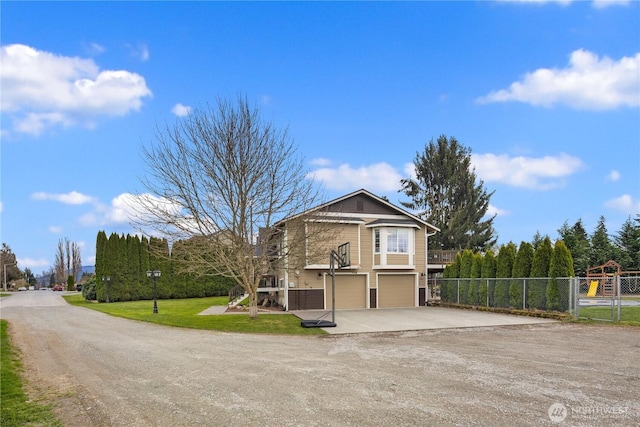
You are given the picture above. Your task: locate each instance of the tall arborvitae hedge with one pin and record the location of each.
(521, 270)
(101, 247)
(466, 260)
(498, 281)
(539, 270)
(474, 284)
(125, 260)
(487, 287)
(560, 266)
(504, 268)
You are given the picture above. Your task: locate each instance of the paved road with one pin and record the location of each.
(107, 371)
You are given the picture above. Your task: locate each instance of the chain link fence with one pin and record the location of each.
(545, 294)
(608, 298)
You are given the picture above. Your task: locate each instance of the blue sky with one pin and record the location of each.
(546, 95)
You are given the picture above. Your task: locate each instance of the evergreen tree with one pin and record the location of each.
(466, 260)
(131, 262)
(537, 240)
(159, 259)
(539, 274)
(100, 267)
(601, 247)
(179, 254)
(444, 283)
(114, 263)
(504, 268)
(476, 272)
(521, 270)
(488, 274)
(627, 245)
(146, 292)
(445, 190)
(450, 287)
(133, 267)
(560, 267)
(577, 241)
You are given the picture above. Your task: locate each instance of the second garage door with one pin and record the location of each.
(396, 290)
(351, 291)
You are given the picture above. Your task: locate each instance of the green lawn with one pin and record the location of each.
(17, 409)
(183, 313)
(628, 315)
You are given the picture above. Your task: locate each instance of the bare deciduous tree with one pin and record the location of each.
(221, 179)
(67, 260)
(76, 260)
(60, 265)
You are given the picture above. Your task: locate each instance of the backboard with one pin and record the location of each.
(344, 255)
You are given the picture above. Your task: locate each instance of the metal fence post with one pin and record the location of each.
(524, 294)
(487, 293)
(458, 298)
(617, 287)
(571, 295)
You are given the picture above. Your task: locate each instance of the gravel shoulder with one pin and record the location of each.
(106, 371)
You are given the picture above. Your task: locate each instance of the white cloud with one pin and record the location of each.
(378, 177)
(141, 51)
(55, 229)
(613, 176)
(625, 203)
(320, 161)
(410, 170)
(144, 52)
(96, 48)
(598, 4)
(42, 90)
(125, 208)
(180, 110)
(562, 2)
(36, 123)
(494, 210)
(601, 4)
(72, 198)
(542, 173)
(1, 207)
(588, 83)
(33, 263)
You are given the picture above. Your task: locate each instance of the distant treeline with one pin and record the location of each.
(125, 260)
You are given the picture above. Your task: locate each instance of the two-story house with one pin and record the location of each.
(388, 253)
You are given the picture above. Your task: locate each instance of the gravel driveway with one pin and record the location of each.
(107, 371)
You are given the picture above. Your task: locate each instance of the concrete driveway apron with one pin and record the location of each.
(414, 319)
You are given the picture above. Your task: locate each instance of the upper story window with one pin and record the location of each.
(394, 242)
(398, 241)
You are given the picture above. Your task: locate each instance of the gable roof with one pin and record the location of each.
(385, 204)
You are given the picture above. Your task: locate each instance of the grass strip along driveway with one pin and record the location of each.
(17, 408)
(184, 313)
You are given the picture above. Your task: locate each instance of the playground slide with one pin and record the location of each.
(593, 288)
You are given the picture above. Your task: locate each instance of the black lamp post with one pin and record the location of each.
(106, 281)
(155, 274)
